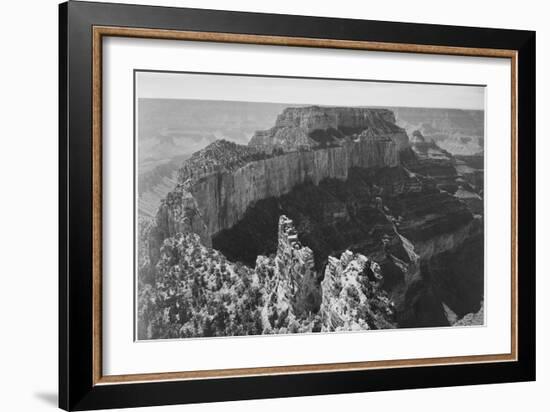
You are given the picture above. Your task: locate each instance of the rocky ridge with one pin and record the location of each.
(198, 292)
(352, 299)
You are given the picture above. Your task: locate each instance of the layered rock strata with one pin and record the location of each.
(217, 184)
(314, 126)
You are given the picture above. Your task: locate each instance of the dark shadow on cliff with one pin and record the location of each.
(330, 218)
(362, 214)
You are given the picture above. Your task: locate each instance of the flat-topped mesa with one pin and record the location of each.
(306, 128)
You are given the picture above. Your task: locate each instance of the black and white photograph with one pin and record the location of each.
(283, 205)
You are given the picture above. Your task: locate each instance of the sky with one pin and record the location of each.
(307, 91)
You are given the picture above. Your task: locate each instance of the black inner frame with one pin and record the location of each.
(76, 388)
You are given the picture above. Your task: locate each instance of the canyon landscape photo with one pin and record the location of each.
(273, 211)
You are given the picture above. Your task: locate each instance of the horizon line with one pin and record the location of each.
(308, 104)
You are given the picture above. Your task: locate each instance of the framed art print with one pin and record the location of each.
(259, 205)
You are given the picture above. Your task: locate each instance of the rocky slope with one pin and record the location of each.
(155, 182)
(198, 292)
(351, 295)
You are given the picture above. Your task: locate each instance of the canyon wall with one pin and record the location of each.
(217, 184)
(223, 197)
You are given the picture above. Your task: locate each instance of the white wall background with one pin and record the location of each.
(28, 206)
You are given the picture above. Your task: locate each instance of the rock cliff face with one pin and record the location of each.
(224, 197)
(314, 126)
(217, 184)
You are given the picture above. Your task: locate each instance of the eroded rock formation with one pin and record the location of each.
(314, 127)
(198, 292)
(218, 183)
(405, 219)
(351, 295)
